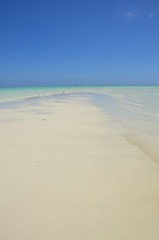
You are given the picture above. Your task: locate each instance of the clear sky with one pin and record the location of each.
(63, 42)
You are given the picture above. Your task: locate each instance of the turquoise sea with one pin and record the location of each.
(134, 109)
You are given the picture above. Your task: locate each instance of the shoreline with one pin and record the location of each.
(67, 173)
(107, 104)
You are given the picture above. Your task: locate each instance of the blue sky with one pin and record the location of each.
(79, 42)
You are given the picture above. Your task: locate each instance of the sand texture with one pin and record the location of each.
(66, 173)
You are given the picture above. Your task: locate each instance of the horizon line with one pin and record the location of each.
(89, 85)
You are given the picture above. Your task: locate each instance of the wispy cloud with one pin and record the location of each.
(152, 15)
(130, 14)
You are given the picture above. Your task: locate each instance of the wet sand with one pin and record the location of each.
(66, 173)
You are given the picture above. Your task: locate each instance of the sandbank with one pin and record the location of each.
(66, 172)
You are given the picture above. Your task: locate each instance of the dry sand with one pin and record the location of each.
(66, 173)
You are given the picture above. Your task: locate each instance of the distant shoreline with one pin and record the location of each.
(71, 86)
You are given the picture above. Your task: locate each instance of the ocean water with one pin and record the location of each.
(135, 109)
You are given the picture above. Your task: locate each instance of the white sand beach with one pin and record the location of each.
(66, 173)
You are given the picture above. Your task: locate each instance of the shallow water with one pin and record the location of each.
(26, 93)
(135, 108)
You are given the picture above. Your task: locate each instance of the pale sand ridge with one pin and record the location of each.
(66, 173)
